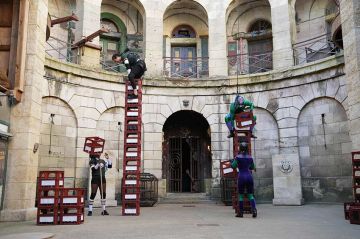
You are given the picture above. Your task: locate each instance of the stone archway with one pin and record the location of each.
(186, 152)
(325, 151)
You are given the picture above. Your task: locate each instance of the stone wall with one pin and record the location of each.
(325, 151)
(280, 102)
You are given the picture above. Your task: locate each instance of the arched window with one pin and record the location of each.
(260, 46)
(183, 31)
(109, 25)
(260, 26)
(112, 42)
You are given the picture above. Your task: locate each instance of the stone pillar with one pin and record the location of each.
(22, 164)
(350, 16)
(218, 64)
(287, 180)
(153, 38)
(89, 12)
(286, 165)
(281, 18)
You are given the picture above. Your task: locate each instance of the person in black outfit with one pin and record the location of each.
(134, 65)
(96, 164)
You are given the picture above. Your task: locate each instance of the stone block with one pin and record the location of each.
(287, 180)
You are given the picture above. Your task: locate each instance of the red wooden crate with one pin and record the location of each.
(131, 208)
(94, 145)
(226, 171)
(347, 206)
(47, 197)
(48, 179)
(47, 216)
(71, 215)
(72, 197)
(354, 215)
(244, 120)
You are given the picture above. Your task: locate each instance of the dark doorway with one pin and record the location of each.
(186, 176)
(186, 152)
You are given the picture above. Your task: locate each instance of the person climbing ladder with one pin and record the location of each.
(135, 66)
(240, 104)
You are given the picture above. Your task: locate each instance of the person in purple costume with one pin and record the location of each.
(245, 163)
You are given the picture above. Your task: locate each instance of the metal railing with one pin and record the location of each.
(64, 51)
(250, 64)
(60, 49)
(186, 68)
(109, 65)
(314, 49)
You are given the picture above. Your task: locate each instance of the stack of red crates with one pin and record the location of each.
(243, 122)
(352, 209)
(48, 190)
(132, 153)
(71, 207)
(56, 204)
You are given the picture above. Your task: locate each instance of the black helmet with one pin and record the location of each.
(243, 147)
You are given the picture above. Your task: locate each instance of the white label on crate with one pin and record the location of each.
(130, 182)
(61, 182)
(47, 201)
(130, 196)
(69, 218)
(70, 200)
(48, 183)
(131, 168)
(131, 141)
(133, 100)
(130, 211)
(82, 199)
(357, 173)
(130, 87)
(228, 170)
(132, 113)
(87, 148)
(82, 217)
(246, 123)
(131, 154)
(46, 219)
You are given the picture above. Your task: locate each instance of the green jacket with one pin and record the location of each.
(237, 108)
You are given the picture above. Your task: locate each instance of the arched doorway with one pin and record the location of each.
(186, 152)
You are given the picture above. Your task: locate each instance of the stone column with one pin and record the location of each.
(89, 12)
(281, 18)
(153, 38)
(22, 164)
(350, 16)
(218, 64)
(286, 164)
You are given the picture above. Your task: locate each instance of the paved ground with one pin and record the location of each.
(200, 221)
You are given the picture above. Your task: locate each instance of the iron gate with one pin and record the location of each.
(184, 164)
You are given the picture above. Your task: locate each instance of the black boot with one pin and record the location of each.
(104, 213)
(239, 214)
(231, 134)
(89, 213)
(254, 213)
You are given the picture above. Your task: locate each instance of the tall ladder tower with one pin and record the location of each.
(132, 152)
(243, 124)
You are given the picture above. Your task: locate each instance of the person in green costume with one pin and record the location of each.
(240, 104)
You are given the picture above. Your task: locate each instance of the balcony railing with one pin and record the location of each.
(186, 68)
(314, 49)
(250, 64)
(60, 49)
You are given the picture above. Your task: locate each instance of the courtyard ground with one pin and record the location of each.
(315, 221)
